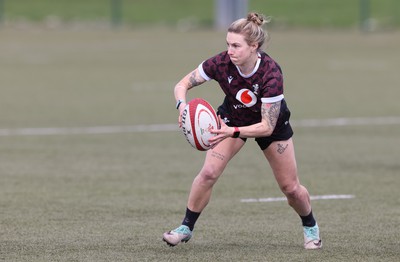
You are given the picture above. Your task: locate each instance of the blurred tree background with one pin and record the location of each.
(317, 14)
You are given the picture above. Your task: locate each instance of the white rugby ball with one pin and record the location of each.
(198, 118)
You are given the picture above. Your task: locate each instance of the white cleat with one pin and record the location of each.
(180, 234)
(311, 237)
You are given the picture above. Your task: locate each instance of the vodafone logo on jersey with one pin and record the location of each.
(246, 97)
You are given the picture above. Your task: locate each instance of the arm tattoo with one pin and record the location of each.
(270, 112)
(193, 81)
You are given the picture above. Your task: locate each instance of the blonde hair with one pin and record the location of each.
(251, 28)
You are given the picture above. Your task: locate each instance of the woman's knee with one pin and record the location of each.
(209, 174)
(292, 191)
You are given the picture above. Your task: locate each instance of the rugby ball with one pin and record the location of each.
(198, 118)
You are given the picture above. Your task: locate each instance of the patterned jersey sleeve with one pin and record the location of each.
(209, 68)
(274, 82)
(203, 73)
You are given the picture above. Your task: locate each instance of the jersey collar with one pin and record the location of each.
(254, 70)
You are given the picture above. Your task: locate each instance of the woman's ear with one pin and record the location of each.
(254, 47)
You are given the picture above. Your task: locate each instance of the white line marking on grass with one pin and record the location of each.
(276, 199)
(357, 121)
(87, 130)
(391, 120)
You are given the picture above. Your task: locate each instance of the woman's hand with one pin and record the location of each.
(223, 132)
(181, 108)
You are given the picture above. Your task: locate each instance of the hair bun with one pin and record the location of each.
(256, 18)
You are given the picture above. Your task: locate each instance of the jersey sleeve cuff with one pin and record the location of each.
(202, 73)
(274, 99)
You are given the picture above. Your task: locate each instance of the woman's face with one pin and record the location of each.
(238, 49)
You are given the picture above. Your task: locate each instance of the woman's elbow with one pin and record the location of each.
(267, 130)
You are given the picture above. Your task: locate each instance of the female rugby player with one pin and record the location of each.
(254, 107)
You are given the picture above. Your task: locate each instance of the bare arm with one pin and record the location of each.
(269, 118)
(189, 81)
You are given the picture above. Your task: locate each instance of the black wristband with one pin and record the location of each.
(179, 103)
(236, 133)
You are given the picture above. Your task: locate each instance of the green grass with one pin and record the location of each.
(285, 13)
(110, 197)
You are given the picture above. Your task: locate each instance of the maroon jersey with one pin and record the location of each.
(246, 93)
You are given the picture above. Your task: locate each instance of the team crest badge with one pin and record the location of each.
(255, 88)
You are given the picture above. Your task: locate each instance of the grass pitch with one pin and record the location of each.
(109, 197)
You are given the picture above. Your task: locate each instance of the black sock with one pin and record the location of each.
(309, 220)
(190, 218)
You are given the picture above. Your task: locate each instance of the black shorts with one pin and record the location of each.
(285, 133)
(283, 130)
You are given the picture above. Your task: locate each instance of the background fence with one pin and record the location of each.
(367, 14)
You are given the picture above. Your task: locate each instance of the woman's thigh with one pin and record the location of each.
(281, 157)
(218, 157)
